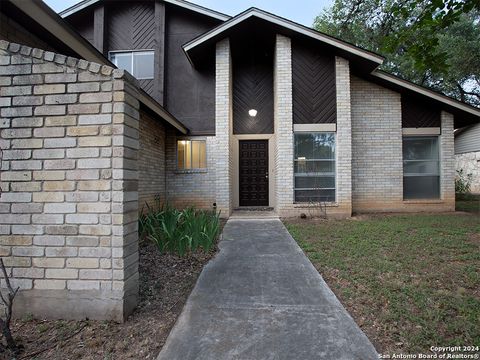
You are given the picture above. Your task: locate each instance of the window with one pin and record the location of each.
(421, 168)
(191, 154)
(314, 167)
(137, 63)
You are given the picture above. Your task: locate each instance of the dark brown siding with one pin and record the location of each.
(313, 80)
(131, 25)
(417, 113)
(83, 24)
(190, 93)
(253, 85)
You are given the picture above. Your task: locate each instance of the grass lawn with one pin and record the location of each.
(410, 281)
(468, 203)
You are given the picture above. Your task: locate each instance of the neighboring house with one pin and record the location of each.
(233, 112)
(467, 154)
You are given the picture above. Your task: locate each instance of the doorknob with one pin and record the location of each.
(266, 175)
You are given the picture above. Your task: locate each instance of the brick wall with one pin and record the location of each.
(151, 162)
(283, 117)
(69, 175)
(223, 128)
(190, 188)
(377, 171)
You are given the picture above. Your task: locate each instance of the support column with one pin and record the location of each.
(447, 161)
(344, 137)
(223, 127)
(99, 24)
(283, 118)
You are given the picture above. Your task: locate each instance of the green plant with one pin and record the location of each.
(463, 182)
(179, 232)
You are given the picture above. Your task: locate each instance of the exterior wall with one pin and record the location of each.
(151, 162)
(11, 31)
(344, 138)
(377, 172)
(377, 164)
(470, 164)
(194, 187)
(223, 128)
(69, 206)
(468, 140)
(283, 117)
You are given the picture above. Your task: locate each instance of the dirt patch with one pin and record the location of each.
(165, 283)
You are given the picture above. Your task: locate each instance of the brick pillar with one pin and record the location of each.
(344, 137)
(283, 118)
(223, 127)
(447, 161)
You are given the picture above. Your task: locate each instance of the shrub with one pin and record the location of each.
(463, 182)
(179, 231)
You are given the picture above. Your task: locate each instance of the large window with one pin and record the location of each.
(421, 168)
(191, 154)
(137, 63)
(314, 167)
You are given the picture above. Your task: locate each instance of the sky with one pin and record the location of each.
(301, 11)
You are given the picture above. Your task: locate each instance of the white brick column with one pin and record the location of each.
(447, 160)
(344, 136)
(223, 127)
(283, 118)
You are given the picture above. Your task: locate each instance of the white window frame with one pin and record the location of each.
(131, 52)
(439, 175)
(334, 160)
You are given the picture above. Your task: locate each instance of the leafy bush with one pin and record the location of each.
(180, 231)
(463, 182)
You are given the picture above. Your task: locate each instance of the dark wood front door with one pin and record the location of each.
(253, 173)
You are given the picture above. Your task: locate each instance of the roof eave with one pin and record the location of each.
(292, 26)
(184, 4)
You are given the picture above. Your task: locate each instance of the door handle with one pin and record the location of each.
(266, 175)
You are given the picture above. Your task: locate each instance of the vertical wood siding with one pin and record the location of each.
(313, 80)
(253, 86)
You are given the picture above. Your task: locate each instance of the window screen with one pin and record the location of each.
(314, 167)
(138, 63)
(421, 168)
(191, 154)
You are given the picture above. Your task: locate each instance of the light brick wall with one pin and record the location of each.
(344, 137)
(151, 162)
(283, 122)
(470, 164)
(69, 174)
(190, 188)
(447, 161)
(377, 147)
(223, 128)
(377, 153)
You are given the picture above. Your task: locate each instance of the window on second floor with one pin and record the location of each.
(138, 63)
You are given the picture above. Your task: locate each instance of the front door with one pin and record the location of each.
(253, 173)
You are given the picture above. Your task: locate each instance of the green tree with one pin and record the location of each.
(435, 43)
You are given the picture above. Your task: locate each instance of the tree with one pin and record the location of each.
(434, 43)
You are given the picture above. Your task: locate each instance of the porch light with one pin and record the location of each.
(252, 112)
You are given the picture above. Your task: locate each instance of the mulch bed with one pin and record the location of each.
(165, 283)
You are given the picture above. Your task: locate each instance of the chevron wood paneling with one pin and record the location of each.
(416, 114)
(253, 88)
(313, 80)
(131, 26)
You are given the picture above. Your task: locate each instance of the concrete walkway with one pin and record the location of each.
(261, 298)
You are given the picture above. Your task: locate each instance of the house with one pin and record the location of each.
(467, 154)
(213, 111)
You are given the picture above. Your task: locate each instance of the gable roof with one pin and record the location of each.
(182, 3)
(192, 48)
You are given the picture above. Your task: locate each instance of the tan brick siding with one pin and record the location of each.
(377, 163)
(190, 188)
(151, 162)
(69, 174)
